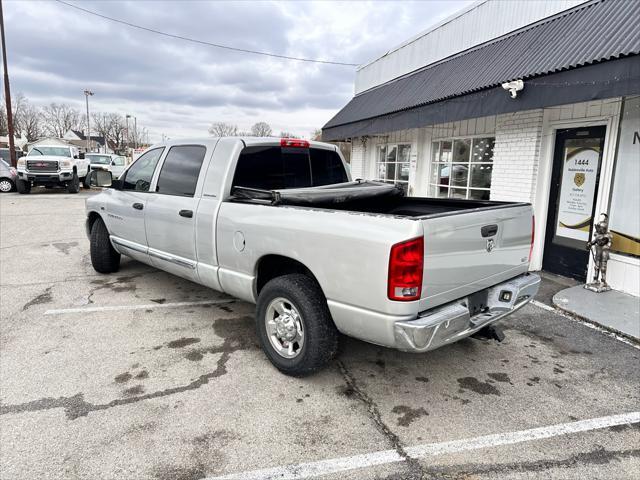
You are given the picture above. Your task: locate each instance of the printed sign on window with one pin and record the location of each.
(577, 192)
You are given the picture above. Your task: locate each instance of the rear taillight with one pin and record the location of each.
(533, 235)
(406, 263)
(294, 142)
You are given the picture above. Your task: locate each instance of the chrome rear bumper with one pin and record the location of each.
(455, 321)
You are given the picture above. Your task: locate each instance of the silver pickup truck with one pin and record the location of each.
(280, 223)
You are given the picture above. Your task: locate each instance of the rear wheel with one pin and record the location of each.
(104, 258)
(74, 185)
(294, 325)
(23, 186)
(6, 185)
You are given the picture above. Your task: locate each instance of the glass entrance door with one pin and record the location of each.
(574, 188)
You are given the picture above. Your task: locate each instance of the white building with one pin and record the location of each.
(432, 114)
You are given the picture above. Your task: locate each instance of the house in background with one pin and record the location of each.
(79, 139)
(534, 101)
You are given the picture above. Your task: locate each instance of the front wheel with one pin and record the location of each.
(23, 186)
(294, 325)
(104, 258)
(6, 185)
(74, 185)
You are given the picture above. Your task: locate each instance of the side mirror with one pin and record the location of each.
(81, 155)
(100, 178)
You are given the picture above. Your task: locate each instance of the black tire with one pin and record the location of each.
(320, 334)
(74, 185)
(6, 185)
(23, 186)
(85, 182)
(104, 258)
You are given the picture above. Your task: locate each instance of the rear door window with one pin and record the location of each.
(276, 168)
(180, 170)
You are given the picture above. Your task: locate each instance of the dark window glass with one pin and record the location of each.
(139, 175)
(180, 170)
(274, 168)
(326, 167)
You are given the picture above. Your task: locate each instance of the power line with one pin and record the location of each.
(203, 42)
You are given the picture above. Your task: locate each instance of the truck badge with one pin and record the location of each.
(490, 244)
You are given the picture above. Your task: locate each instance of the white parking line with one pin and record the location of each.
(336, 465)
(111, 308)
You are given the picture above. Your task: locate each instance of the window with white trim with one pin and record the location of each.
(392, 163)
(461, 168)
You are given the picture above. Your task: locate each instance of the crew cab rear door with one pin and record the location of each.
(171, 211)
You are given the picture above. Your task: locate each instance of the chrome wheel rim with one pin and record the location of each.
(284, 328)
(5, 186)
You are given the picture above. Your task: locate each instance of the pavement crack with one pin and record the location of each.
(416, 471)
(76, 406)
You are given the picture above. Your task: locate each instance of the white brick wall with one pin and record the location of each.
(516, 156)
(357, 158)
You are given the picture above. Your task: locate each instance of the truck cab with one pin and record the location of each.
(52, 166)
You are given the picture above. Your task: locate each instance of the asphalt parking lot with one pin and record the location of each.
(143, 375)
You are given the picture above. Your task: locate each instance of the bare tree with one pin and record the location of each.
(316, 135)
(222, 129)
(29, 121)
(60, 117)
(261, 129)
(3, 120)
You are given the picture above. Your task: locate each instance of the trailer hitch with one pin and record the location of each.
(490, 332)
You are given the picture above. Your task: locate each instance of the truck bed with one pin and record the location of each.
(365, 197)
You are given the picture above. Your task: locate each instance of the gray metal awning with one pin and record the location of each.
(585, 53)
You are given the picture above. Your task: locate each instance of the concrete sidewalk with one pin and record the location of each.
(613, 310)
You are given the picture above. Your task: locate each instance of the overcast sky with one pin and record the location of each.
(180, 88)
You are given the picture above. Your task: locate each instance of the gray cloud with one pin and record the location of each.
(179, 88)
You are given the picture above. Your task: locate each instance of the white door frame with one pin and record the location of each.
(543, 182)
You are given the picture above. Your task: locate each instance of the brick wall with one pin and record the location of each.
(357, 158)
(516, 156)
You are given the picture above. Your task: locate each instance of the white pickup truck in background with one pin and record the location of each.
(52, 166)
(280, 223)
(107, 161)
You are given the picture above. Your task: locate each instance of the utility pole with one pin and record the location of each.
(7, 93)
(135, 132)
(88, 93)
(127, 116)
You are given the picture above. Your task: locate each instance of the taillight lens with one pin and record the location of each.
(533, 235)
(294, 142)
(406, 263)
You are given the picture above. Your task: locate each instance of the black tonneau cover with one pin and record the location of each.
(324, 195)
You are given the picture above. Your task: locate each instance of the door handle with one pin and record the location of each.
(489, 230)
(186, 213)
(138, 206)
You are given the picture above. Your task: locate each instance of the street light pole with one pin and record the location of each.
(127, 116)
(7, 93)
(135, 132)
(88, 93)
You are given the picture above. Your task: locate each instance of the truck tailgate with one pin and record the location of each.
(473, 250)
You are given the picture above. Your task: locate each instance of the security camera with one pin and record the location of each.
(513, 87)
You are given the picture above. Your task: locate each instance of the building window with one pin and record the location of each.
(461, 168)
(393, 163)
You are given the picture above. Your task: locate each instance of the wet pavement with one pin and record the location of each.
(103, 376)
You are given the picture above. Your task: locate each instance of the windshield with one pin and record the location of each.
(54, 151)
(99, 159)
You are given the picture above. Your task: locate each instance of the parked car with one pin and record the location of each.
(279, 222)
(4, 154)
(106, 161)
(52, 165)
(7, 176)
